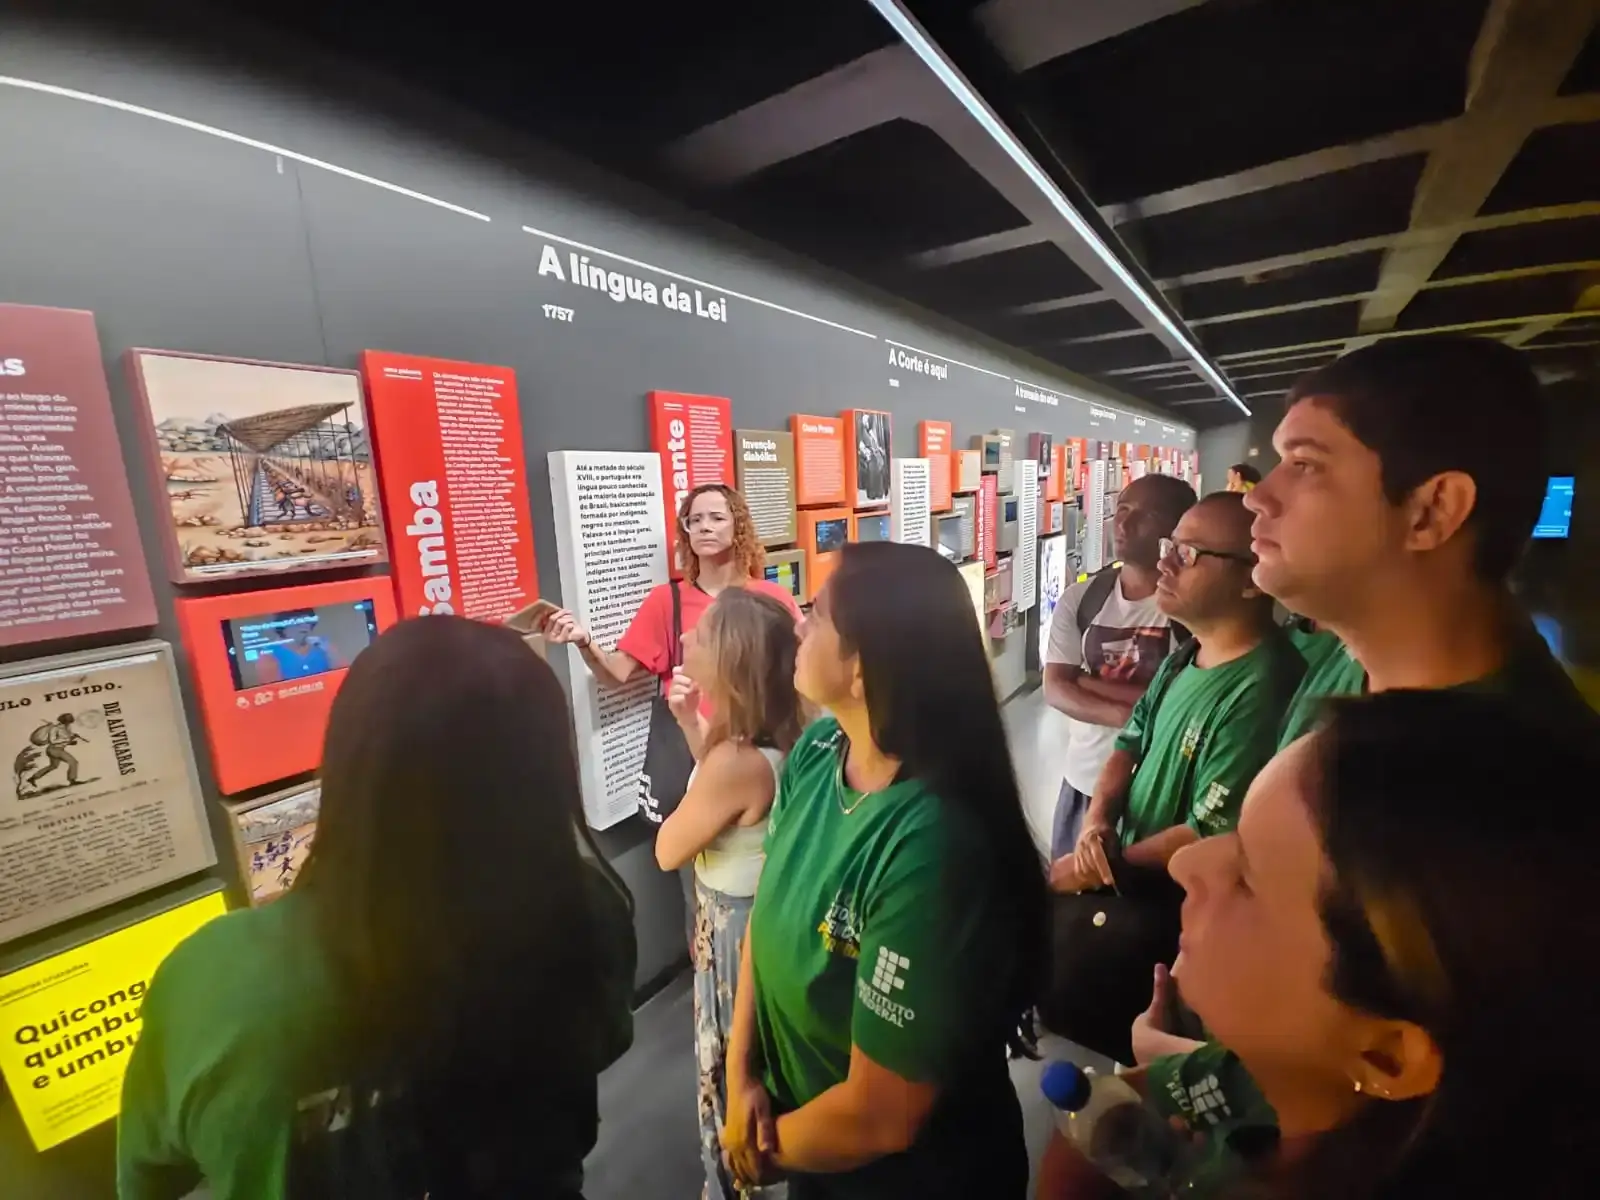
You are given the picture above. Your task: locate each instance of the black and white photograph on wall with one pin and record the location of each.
(872, 458)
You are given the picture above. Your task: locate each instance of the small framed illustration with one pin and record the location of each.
(263, 467)
(272, 837)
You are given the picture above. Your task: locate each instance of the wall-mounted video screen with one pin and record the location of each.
(298, 643)
(832, 535)
(873, 528)
(1555, 517)
(787, 569)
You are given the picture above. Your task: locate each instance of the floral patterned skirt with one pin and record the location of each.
(720, 922)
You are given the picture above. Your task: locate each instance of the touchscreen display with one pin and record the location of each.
(872, 529)
(832, 535)
(297, 643)
(1010, 510)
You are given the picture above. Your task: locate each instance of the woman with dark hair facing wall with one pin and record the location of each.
(741, 658)
(427, 1010)
(895, 941)
(1406, 968)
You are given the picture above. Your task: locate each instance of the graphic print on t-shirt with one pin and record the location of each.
(1124, 655)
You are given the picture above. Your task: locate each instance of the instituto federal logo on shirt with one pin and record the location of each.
(888, 977)
(1211, 803)
(1201, 1102)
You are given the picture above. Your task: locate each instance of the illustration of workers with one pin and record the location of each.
(55, 736)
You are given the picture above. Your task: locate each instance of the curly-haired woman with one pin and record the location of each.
(717, 545)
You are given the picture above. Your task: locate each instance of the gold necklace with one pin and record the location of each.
(839, 790)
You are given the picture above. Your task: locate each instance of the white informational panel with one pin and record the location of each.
(1008, 460)
(1054, 575)
(911, 518)
(1094, 541)
(1024, 581)
(103, 801)
(611, 549)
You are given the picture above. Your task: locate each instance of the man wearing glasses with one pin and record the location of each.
(1209, 719)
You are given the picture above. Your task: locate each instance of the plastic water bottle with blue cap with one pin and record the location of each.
(1106, 1119)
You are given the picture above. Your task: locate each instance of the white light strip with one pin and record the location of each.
(50, 89)
(923, 47)
(716, 287)
(947, 358)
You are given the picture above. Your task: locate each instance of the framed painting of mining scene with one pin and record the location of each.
(264, 467)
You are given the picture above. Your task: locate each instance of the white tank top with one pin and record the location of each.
(732, 863)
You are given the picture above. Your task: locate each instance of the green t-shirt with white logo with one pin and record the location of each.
(1530, 679)
(1199, 735)
(874, 926)
(1209, 1090)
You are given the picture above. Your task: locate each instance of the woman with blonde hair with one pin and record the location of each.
(739, 659)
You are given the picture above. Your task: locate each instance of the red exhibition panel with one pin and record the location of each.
(936, 439)
(70, 558)
(448, 440)
(988, 519)
(694, 436)
(267, 665)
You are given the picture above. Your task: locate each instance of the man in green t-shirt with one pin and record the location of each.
(1412, 473)
(1208, 722)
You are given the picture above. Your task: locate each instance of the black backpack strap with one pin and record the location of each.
(675, 650)
(1095, 596)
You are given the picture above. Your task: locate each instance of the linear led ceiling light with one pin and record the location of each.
(913, 35)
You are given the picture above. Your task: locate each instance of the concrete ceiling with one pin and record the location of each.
(1292, 178)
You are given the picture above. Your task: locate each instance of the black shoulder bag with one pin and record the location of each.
(667, 760)
(1105, 944)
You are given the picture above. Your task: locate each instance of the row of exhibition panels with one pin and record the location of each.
(269, 483)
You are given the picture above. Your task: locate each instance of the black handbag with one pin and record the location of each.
(667, 761)
(1104, 946)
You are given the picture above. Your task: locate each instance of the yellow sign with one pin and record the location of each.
(67, 1024)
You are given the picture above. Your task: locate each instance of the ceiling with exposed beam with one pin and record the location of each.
(1289, 178)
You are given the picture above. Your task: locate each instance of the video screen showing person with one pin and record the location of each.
(872, 529)
(297, 643)
(832, 535)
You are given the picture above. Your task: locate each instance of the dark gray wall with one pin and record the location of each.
(203, 239)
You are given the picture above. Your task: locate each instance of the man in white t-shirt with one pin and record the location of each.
(1095, 672)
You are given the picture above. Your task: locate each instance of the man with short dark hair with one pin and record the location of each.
(1242, 477)
(1208, 721)
(1098, 661)
(1411, 476)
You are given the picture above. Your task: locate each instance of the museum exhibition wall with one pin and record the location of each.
(281, 365)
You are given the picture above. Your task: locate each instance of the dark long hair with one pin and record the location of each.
(1462, 843)
(905, 612)
(446, 875)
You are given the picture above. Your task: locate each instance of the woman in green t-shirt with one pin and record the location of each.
(1388, 948)
(895, 942)
(427, 1010)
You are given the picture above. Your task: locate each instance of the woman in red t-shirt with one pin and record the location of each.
(717, 545)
